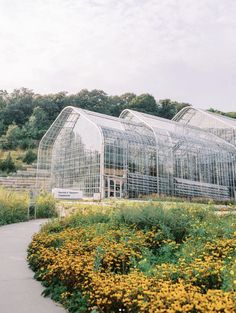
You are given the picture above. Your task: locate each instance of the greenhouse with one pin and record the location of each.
(133, 156)
(220, 125)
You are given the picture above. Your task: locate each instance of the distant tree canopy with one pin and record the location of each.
(25, 116)
(229, 114)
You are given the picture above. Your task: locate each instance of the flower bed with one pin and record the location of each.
(143, 259)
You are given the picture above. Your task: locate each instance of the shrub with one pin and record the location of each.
(29, 157)
(11, 139)
(175, 221)
(27, 143)
(45, 206)
(7, 165)
(13, 207)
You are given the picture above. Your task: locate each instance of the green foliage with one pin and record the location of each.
(29, 157)
(229, 275)
(229, 114)
(92, 218)
(11, 139)
(25, 116)
(17, 106)
(174, 243)
(13, 207)
(76, 303)
(55, 290)
(16, 137)
(7, 165)
(119, 103)
(27, 143)
(168, 109)
(17, 157)
(174, 222)
(45, 206)
(144, 103)
(38, 123)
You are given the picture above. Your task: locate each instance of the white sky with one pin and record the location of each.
(179, 49)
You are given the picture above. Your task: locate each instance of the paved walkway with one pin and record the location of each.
(19, 292)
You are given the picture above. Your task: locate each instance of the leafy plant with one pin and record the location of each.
(8, 165)
(45, 206)
(29, 157)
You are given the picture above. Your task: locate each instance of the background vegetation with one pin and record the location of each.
(139, 258)
(45, 205)
(13, 207)
(13, 160)
(25, 116)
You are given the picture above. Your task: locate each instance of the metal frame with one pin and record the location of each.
(219, 125)
(138, 154)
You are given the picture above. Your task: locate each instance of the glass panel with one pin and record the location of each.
(219, 125)
(138, 153)
(73, 154)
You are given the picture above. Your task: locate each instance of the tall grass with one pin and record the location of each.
(13, 206)
(45, 206)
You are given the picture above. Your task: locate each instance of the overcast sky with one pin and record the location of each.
(179, 49)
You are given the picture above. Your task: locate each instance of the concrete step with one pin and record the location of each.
(24, 179)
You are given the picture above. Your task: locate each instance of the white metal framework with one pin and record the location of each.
(220, 125)
(136, 154)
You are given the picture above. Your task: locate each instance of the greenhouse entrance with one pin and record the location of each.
(114, 187)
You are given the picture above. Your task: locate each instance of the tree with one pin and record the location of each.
(231, 114)
(38, 124)
(216, 111)
(29, 157)
(94, 100)
(118, 103)
(19, 107)
(168, 109)
(26, 116)
(8, 165)
(12, 137)
(3, 99)
(144, 103)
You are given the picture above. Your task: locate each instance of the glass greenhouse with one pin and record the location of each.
(220, 125)
(133, 155)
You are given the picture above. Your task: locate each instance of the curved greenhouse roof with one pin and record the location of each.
(173, 129)
(220, 125)
(133, 155)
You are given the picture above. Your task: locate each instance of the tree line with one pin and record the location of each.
(25, 116)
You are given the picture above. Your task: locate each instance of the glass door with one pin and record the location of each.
(113, 187)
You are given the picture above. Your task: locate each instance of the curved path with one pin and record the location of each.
(19, 292)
